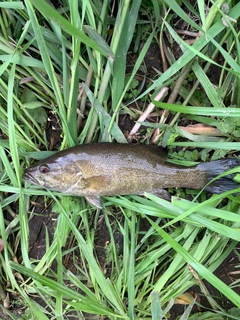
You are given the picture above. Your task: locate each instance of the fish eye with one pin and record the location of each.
(44, 168)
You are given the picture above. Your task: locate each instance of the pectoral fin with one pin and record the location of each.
(162, 193)
(96, 201)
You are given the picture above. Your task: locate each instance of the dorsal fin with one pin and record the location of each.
(158, 151)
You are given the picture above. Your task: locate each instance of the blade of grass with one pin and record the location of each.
(49, 12)
(119, 66)
(11, 132)
(116, 132)
(208, 87)
(8, 271)
(198, 267)
(133, 73)
(49, 69)
(129, 268)
(213, 31)
(82, 302)
(209, 145)
(202, 111)
(106, 286)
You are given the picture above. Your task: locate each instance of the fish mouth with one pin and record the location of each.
(28, 177)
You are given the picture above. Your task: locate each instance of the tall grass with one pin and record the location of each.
(72, 61)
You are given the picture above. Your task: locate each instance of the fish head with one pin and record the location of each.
(57, 174)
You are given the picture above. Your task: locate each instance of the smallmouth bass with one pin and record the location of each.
(107, 169)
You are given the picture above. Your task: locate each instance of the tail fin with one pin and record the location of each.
(215, 168)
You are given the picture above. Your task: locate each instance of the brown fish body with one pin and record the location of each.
(106, 169)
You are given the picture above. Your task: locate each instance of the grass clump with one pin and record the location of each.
(82, 68)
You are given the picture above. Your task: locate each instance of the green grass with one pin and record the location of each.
(74, 61)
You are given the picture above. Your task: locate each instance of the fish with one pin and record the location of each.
(109, 169)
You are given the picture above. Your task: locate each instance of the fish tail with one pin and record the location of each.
(214, 169)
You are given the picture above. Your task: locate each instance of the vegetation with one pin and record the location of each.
(86, 64)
